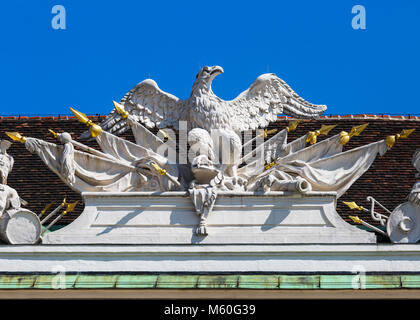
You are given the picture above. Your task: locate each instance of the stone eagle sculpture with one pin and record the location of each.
(254, 108)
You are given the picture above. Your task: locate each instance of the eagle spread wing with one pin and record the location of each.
(254, 108)
(147, 104)
(267, 97)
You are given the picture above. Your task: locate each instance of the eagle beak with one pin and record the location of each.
(216, 70)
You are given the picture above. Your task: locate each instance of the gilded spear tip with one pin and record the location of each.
(94, 129)
(270, 165)
(55, 134)
(405, 133)
(292, 125)
(70, 208)
(158, 169)
(267, 132)
(352, 205)
(46, 208)
(16, 136)
(81, 116)
(355, 131)
(324, 130)
(356, 219)
(120, 109)
(390, 140)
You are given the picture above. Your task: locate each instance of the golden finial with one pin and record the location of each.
(55, 134)
(352, 205)
(158, 169)
(46, 208)
(292, 125)
(94, 129)
(344, 137)
(405, 133)
(324, 130)
(390, 140)
(355, 131)
(120, 109)
(70, 208)
(81, 117)
(16, 136)
(356, 219)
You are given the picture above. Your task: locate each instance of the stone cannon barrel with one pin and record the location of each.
(20, 226)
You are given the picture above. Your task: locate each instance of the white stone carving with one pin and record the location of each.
(276, 180)
(403, 223)
(20, 226)
(214, 166)
(212, 259)
(236, 218)
(6, 161)
(218, 152)
(17, 225)
(123, 166)
(256, 107)
(414, 196)
(9, 199)
(203, 198)
(67, 165)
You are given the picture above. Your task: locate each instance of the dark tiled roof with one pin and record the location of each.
(389, 180)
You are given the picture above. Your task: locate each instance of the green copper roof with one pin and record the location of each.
(256, 281)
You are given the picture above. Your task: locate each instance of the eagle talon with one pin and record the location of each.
(239, 181)
(201, 229)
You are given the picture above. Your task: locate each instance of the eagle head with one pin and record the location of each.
(207, 75)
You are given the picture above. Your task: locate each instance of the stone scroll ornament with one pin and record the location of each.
(275, 164)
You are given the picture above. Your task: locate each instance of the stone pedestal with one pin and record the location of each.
(237, 219)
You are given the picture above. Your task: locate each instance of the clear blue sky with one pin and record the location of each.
(109, 46)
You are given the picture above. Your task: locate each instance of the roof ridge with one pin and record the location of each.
(279, 117)
(59, 117)
(365, 116)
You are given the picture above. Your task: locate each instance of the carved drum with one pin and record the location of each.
(20, 226)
